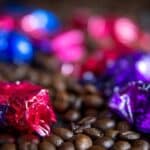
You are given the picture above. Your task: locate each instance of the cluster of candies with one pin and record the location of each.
(102, 50)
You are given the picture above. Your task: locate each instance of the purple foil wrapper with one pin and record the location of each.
(133, 104)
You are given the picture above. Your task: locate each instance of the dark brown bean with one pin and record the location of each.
(93, 132)
(81, 128)
(90, 89)
(140, 145)
(87, 120)
(123, 126)
(8, 147)
(82, 142)
(28, 142)
(106, 142)
(96, 147)
(111, 133)
(61, 103)
(55, 140)
(92, 101)
(67, 146)
(129, 135)
(46, 146)
(4, 139)
(63, 133)
(105, 114)
(104, 123)
(121, 145)
(72, 115)
(90, 112)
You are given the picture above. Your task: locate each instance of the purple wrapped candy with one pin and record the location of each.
(129, 68)
(133, 104)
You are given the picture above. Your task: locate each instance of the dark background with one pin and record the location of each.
(139, 9)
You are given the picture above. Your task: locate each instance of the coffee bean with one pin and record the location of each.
(24, 145)
(140, 145)
(46, 146)
(8, 147)
(87, 120)
(28, 142)
(77, 103)
(63, 133)
(91, 112)
(72, 115)
(93, 132)
(90, 89)
(129, 135)
(82, 127)
(92, 101)
(106, 142)
(104, 123)
(96, 147)
(121, 145)
(67, 146)
(5, 138)
(105, 114)
(83, 142)
(111, 133)
(61, 103)
(123, 126)
(55, 140)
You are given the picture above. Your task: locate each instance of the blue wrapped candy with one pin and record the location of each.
(15, 48)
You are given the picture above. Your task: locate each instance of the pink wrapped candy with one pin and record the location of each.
(25, 107)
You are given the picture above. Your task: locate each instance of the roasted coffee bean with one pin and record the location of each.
(96, 147)
(81, 128)
(77, 103)
(92, 101)
(87, 120)
(72, 115)
(46, 146)
(111, 133)
(90, 89)
(129, 135)
(26, 145)
(55, 140)
(5, 138)
(93, 132)
(123, 126)
(61, 103)
(82, 142)
(8, 147)
(106, 142)
(140, 145)
(28, 142)
(90, 112)
(67, 146)
(63, 133)
(122, 145)
(104, 123)
(105, 114)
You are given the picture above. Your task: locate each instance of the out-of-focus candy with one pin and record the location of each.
(69, 46)
(132, 67)
(26, 108)
(113, 32)
(40, 23)
(21, 49)
(15, 48)
(132, 103)
(79, 19)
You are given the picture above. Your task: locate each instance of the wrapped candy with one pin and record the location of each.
(138, 64)
(15, 48)
(25, 107)
(132, 103)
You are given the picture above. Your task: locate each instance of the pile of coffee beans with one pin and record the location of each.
(84, 120)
